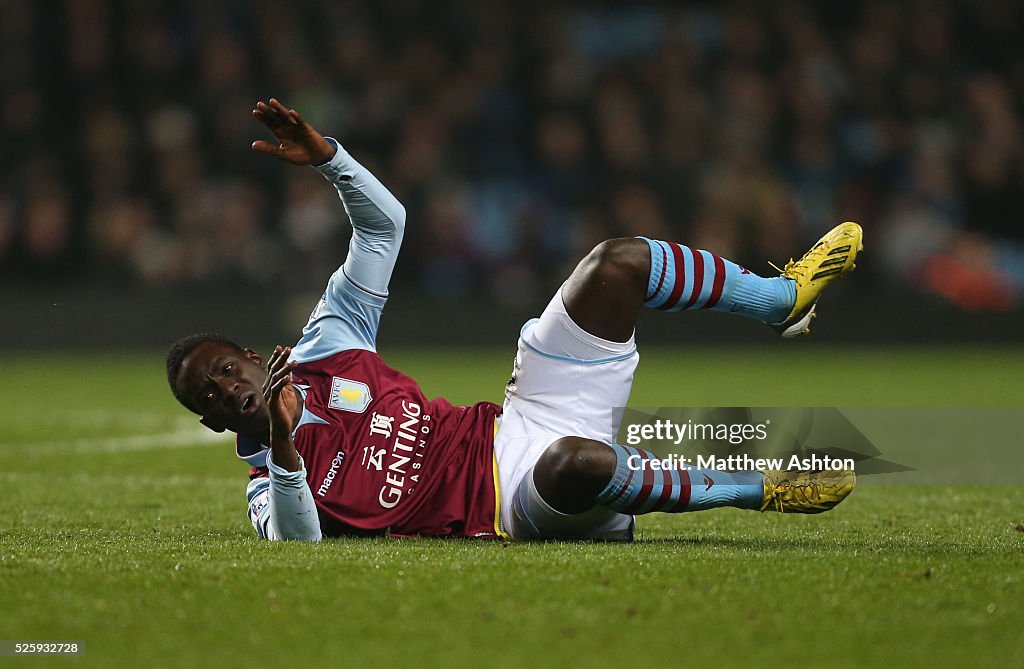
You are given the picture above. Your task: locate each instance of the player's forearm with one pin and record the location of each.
(370, 206)
(292, 511)
(378, 221)
(283, 453)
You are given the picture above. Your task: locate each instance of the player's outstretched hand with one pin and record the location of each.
(297, 141)
(279, 394)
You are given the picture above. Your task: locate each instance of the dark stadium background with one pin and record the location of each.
(518, 134)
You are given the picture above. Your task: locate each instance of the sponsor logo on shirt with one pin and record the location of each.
(406, 456)
(373, 457)
(331, 473)
(348, 395)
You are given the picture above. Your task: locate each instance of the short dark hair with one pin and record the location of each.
(181, 348)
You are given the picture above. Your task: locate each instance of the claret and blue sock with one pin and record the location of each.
(637, 487)
(686, 278)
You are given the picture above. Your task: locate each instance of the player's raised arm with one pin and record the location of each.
(378, 218)
(283, 508)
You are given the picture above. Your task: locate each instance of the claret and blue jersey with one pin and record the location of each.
(378, 455)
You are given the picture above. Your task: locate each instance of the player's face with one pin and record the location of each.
(225, 386)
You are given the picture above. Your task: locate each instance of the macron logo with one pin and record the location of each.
(331, 473)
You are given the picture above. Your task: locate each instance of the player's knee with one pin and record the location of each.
(573, 461)
(615, 259)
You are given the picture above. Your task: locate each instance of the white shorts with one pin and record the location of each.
(566, 383)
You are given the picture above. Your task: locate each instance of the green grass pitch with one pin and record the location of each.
(122, 525)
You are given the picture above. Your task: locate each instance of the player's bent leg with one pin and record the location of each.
(619, 276)
(605, 292)
(574, 475)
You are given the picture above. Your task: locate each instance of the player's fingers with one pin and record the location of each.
(270, 116)
(262, 118)
(275, 357)
(283, 371)
(276, 389)
(262, 146)
(278, 372)
(268, 108)
(294, 118)
(276, 384)
(281, 354)
(271, 364)
(279, 109)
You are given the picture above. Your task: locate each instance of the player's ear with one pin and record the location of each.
(254, 356)
(211, 425)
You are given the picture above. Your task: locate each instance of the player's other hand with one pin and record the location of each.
(297, 141)
(279, 394)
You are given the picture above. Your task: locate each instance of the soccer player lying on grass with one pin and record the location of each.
(339, 443)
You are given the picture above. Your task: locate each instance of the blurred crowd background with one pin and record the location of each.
(518, 134)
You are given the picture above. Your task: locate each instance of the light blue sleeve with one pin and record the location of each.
(346, 317)
(348, 314)
(258, 495)
(281, 506)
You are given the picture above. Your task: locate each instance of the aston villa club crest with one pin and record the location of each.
(348, 395)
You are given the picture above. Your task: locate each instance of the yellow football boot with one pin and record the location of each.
(806, 491)
(829, 259)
